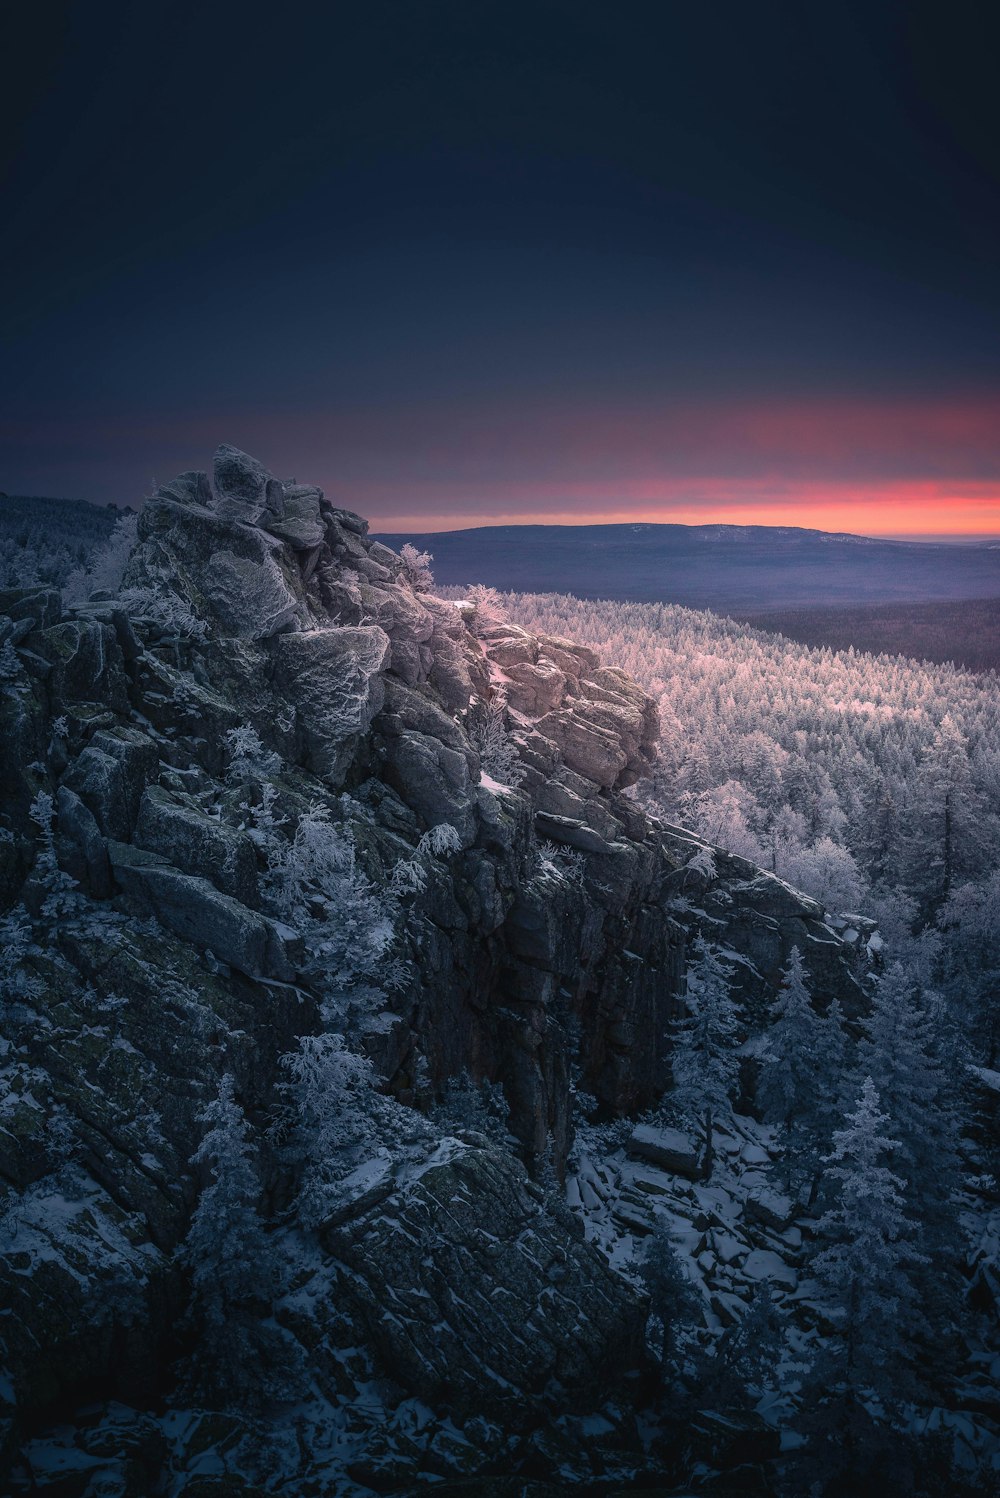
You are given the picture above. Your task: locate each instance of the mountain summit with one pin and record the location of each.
(326, 915)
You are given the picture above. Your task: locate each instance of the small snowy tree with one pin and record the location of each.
(488, 606)
(249, 761)
(470, 1105)
(705, 1064)
(409, 876)
(492, 742)
(748, 1353)
(17, 985)
(11, 669)
(417, 568)
(62, 898)
(316, 883)
(227, 1251)
(334, 1108)
(673, 1303)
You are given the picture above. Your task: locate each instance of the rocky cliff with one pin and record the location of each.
(539, 946)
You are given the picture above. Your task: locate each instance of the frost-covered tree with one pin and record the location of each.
(491, 740)
(249, 760)
(970, 963)
(470, 1105)
(417, 568)
(747, 1354)
(410, 875)
(704, 1063)
(800, 1080)
(726, 815)
(335, 1115)
(61, 896)
(11, 670)
(227, 1251)
(17, 985)
(105, 568)
(946, 835)
(673, 1302)
(863, 1266)
(792, 1058)
(907, 1053)
(487, 604)
(827, 872)
(316, 883)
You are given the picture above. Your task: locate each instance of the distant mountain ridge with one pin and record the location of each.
(720, 567)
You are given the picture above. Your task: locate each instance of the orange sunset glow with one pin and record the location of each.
(913, 510)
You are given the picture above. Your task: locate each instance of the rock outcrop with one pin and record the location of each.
(546, 951)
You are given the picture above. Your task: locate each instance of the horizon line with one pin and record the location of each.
(930, 538)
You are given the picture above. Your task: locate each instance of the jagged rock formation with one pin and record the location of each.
(250, 601)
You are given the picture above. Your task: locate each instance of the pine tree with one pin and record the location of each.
(705, 1065)
(792, 1060)
(11, 670)
(904, 1051)
(17, 984)
(233, 1270)
(864, 1268)
(748, 1353)
(672, 1300)
(801, 1074)
(945, 842)
(316, 883)
(491, 740)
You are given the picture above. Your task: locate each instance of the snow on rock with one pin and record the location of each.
(764, 1264)
(666, 1147)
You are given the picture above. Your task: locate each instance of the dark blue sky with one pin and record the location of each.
(475, 260)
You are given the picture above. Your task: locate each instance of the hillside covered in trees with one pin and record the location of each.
(964, 634)
(486, 1043)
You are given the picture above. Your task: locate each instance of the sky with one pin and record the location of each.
(464, 262)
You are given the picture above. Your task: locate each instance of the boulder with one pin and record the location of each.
(505, 1302)
(43, 606)
(535, 689)
(300, 522)
(138, 758)
(188, 489)
(770, 1208)
(668, 1148)
(240, 484)
(250, 594)
(570, 833)
(97, 780)
(237, 579)
(87, 664)
(194, 909)
(593, 749)
(333, 679)
(86, 859)
(197, 844)
(435, 780)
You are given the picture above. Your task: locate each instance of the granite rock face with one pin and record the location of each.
(548, 1314)
(548, 944)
